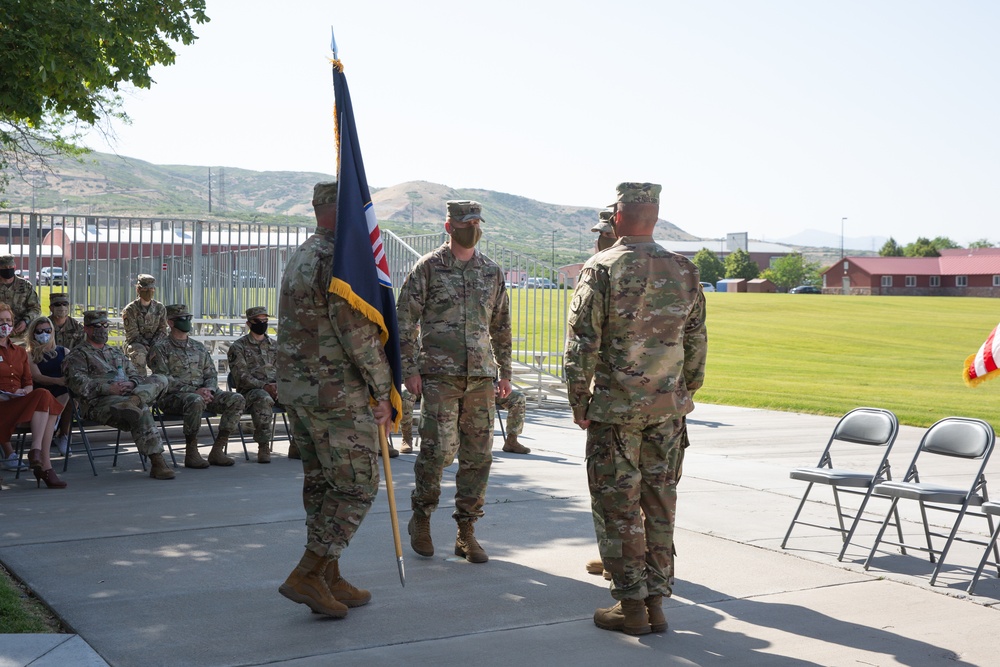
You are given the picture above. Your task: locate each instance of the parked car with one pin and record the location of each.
(52, 275)
(541, 283)
(805, 289)
(707, 287)
(23, 273)
(249, 278)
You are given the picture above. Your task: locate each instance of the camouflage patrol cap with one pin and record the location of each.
(145, 281)
(464, 210)
(256, 311)
(6, 261)
(604, 222)
(176, 310)
(638, 193)
(325, 193)
(92, 317)
(58, 297)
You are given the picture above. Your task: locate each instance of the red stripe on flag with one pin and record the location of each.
(988, 361)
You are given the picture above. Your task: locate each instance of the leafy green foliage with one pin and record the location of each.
(890, 249)
(739, 265)
(981, 243)
(791, 270)
(944, 243)
(710, 267)
(922, 247)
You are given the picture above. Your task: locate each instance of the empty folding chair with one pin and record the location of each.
(951, 438)
(990, 509)
(863, 426)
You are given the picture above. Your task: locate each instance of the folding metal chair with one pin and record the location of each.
(165, 419)
(862, 426)
(83, 425)
(954, 437)
(276, 411)
(991, 509)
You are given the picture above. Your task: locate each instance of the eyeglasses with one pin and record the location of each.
(56, 304)
(182, 318)
(101, 325)
(43, 331)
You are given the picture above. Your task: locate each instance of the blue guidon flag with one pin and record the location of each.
(360, 266)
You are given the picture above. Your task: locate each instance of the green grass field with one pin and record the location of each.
(827, 354)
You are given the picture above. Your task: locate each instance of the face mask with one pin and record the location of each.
(60, 311)
(146, 294)
(43, 338)
(5, 330)
(258, 327)
(99, 336)
(182, 325)
(467, 237)
(6, 273)
(604, 242)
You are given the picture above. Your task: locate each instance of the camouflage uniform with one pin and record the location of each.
(70, 333)
(635, 355)
(463, 316)
(90, 371)
(514, 404)
(330, 359)
(406, 419)
(144, 328)
(251, 366)
(189, 366)
(23, 302)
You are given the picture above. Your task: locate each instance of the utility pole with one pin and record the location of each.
(209, 189)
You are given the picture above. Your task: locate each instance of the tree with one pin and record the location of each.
(64, 63)
(890, 249)
(922, 247)
(943, 243)
(791, 270)
(739, 265)
(709, 266)
(981, 243)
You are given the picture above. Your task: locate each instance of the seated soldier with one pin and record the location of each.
(68, 332)
(194, 388)
(111, 391)
(252, 373)
(145, 321)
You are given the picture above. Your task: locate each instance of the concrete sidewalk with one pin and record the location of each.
(186, 572)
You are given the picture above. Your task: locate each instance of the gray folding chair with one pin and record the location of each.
(954, 437)
(862, 426)
(990, 509)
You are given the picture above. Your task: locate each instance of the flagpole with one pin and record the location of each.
(383, 442)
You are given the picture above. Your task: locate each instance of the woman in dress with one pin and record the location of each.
(20, 402)
(46, 360)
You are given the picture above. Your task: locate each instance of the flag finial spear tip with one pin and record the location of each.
(333, 43)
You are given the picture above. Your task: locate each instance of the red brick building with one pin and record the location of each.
(957, 272)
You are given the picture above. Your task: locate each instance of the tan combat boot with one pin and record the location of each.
(263, 453)
(512, 446)
(628, 616)
(293, 451)
(158, 468)
(419, 529)
(595, 566)
(128, 412)
(342, 589)
(217, 456)
(406, 434)
(654, 609)
(307, 585)
(393, 452)
(192, 457)
(466, 544)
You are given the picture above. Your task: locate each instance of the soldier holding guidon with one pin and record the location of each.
(635, 356)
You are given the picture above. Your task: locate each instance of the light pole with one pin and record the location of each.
(553, 250)
(842, 237)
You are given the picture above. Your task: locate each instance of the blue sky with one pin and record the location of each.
(764, 116)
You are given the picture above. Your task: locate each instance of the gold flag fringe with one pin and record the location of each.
(976, 381)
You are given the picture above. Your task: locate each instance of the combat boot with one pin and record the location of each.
(158, 468)
(128, 413)
(595, 566)
(192, 457)
(393, 452)
(342, 589)
(307, 585)
(217, 456)
(628, 616)
(293, 451)
(263, 453)
(654, 609)
(466, 544)
(406, 447)
(419, 529)
(512, 446)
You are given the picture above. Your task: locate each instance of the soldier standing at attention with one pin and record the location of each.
(635, 356)
(330, 361)
(455, 297)
(194, 388)
(92, 373)
(68, 332)
(145, 323)
(252, 372)
(19, 294)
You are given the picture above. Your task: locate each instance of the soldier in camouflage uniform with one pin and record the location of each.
(68, 332)
(252, 373)
(145, 321)
(330, 361)
(91, 371)
(194, 389)
(605, 232)
(456, 297)
(635, 356)
(19, 294)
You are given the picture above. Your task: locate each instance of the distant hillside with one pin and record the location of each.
(109, 185)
